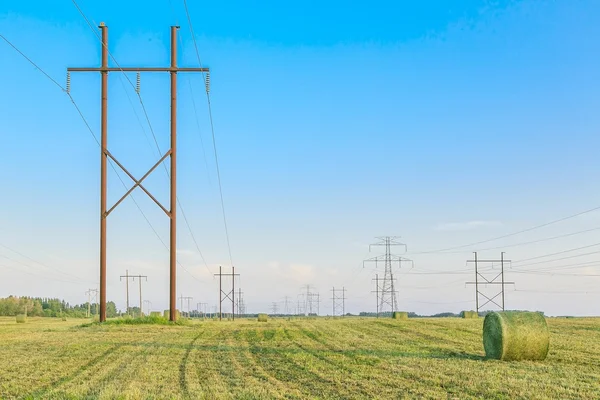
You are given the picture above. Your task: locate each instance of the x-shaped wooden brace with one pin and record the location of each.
(138, 183)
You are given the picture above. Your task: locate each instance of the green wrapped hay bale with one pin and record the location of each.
(263, 317)
(155, 314)
(21, 318)
(516, 335)
(470, 314)
(400, 315)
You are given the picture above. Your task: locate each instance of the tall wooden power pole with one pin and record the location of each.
(105, 154)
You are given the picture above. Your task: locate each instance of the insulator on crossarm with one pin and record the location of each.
(207, 82)
(138, 83)
(68, 89)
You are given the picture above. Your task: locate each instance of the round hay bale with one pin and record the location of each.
(155, 314)
(516, 335)
(470, 314)
(263, 317)
(400, 315)
(64, 318)
(21, 318)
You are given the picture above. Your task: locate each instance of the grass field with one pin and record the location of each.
(297, 359)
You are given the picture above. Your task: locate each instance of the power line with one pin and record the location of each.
(557, 253)
(557, 259)
(514, 233)
(212, 128)
(525, 243)
(42, 264)
(193, 100)
(32, 63)
(36, 275)
(586, 264)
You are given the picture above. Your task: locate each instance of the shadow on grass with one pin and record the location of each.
(460, 355)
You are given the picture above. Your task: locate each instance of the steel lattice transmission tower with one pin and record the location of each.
(387, 291)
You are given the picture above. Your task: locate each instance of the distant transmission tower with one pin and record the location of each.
(92, 295)
(227, 295)
(311, 301)
(240, 306)
(387, 292)
(338, 301)
(481, 279)
(274, 308)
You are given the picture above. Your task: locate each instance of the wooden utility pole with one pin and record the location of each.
(127, 276)
(105, 154)
(140, 280)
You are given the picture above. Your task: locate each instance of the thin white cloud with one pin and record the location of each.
(467, 226)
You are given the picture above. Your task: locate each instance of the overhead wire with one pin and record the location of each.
(40, 263)
(512, 234)
(212, 128)
(523, 243)
(553, 254)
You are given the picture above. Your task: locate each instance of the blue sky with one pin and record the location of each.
(334, 124)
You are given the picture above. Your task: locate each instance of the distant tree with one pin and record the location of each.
(111, 309)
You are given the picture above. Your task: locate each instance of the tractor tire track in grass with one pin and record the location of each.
(404, 374)
(282, 366)
(276, 387)
(390, 383)
(183, 384)
(210, 382)
(338, 366)
(245, 384)
(80, 371)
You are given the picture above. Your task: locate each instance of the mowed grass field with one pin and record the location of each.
(350, 358)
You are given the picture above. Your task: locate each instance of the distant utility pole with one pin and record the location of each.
(274, 308)
(126, 276)
(486, 281)
(92, 295)
(241, 307)
(376, 294)
(189, 299)
(311, 301)
(140, 280)
(148, 303)
(314, 302)
(388, 292)
(202, 308)
(229, 294)
(339, 303)
(105, 155)
(299, 305)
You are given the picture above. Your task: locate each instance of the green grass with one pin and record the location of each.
(147, 320)
(349, 358)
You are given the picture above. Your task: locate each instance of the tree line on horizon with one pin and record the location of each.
(48, 307)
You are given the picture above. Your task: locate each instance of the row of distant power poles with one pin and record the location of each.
(237, 300)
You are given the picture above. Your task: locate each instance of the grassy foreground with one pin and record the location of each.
(320, 358)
